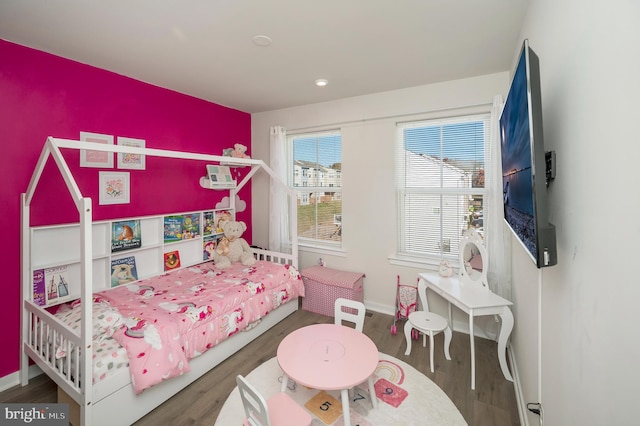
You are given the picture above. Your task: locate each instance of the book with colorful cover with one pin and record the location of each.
(39, 288)
(123, 271)
(171, 260)
(190, 226)
(172, 228)
(55, 283)
(209, 245)
(126, 235)
(181, 227)
(208, 227)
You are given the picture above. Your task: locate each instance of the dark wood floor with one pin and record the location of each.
(493, 403)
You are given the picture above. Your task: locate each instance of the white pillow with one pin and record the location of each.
(106, 319)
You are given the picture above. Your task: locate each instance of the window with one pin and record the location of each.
(317, 178)
(441, 167)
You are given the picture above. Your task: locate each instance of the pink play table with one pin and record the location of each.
(329, 357)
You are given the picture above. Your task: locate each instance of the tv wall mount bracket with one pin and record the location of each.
(550, 166)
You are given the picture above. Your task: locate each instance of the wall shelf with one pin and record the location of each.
(205, 182)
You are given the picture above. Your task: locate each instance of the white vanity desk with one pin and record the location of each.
(474, 301)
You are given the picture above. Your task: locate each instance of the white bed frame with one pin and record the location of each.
(113, 401)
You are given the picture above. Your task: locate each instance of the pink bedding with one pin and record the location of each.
(174, 317)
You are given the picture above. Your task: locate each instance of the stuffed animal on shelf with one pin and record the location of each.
(239, 151)
(232, 247)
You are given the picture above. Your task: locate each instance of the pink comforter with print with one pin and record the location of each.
(174, 317)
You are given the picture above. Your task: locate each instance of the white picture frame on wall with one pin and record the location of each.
(99, 159)
(131, 161)
(115, 188)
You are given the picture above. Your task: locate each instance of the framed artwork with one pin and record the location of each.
(100, 159)
(114, 188)
(131, 161)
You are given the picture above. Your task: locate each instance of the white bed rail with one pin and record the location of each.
(55, 349)
(275, 257)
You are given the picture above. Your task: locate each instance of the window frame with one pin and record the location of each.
(406, 255)
(304, 175)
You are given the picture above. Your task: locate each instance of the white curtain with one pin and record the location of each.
(278, 200)
(499, 240)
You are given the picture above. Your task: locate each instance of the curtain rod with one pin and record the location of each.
(337, 125)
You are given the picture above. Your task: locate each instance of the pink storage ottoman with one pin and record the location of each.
(324, 285)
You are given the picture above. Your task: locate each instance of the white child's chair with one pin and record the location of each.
(353, 311)
(279, 410)
(350, 311)
(427, 323)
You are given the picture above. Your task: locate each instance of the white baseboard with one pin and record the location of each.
(460, 326)
(378, 307)
(13, 379)
(522, 405)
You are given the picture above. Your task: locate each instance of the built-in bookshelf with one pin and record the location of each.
(123, 251)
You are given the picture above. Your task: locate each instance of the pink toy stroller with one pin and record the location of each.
(406, 302)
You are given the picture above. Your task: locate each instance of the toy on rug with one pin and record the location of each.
(238, 151)
(232, 247)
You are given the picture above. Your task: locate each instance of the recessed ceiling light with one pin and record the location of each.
(321, 82)
(261, 40)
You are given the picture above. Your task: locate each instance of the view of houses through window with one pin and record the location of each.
(317, 178)
(441, 183)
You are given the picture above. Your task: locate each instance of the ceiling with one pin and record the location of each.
(205, 48)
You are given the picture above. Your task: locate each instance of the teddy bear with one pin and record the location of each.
(232, 247)
(239, 151)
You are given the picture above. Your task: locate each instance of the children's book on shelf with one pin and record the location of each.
(39, 288)
(50, 285)
(190, 226)
(172, 228)
(209, 245)
(220, 176)
(123, 271)
(181, 227)
(171, 260)
(208, 224)
(126, 235)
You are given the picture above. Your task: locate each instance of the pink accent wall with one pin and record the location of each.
(44, 95)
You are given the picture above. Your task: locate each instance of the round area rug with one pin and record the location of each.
(405, 397)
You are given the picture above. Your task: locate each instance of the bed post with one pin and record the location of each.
(86, 274)
(25, 288)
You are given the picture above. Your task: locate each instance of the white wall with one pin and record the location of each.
(368, 125)
(590, 71)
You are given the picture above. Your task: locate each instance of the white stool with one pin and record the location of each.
(427, 323)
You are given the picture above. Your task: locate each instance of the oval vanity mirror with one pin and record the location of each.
(473, 261)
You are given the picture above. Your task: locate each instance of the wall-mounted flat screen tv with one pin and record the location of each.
(524, 162)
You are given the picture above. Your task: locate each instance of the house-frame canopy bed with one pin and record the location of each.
(66, 332)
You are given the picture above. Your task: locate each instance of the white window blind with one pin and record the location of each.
(441, 167)
(317, 177)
